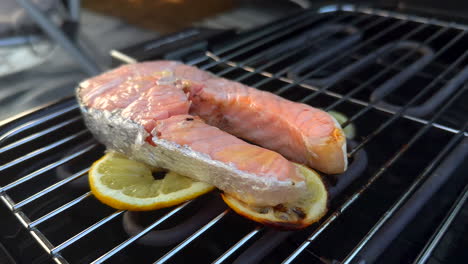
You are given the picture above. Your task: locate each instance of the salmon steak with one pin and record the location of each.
(170, 115)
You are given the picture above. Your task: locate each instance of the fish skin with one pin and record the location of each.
(130, 138)
(265, 178)
(193, 132)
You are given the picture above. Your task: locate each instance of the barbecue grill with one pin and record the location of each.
(400, 78)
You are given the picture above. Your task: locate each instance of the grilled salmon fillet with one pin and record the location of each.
(299, 132)
(181, 118)
(142, 111)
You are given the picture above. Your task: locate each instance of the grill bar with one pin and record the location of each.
(388, 228)
(409, 17)
(352, 100)
(38, 121)
(238, 245)
(293, 83)
(271, 239)
(376, 77)
(418, 180)
(324, 89)
(279, 28)
(259, 43)
(189, 240)
(85, 232)
(426, 89)
(38, 135)
(59, 210)
(316, 35)
(45, 169)
(387, 69)
(387, 30)
(50, 188)
(268, 242)
(127, 242)
(267, 36)
(357, 66)
(380, 172)
(43, 150)
(352, 36)
(443, 227)
(36, 234)
(259, 70)
(443, 94)
(419, 95)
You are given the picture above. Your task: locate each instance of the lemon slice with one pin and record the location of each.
(349, 130)
(126, 184)
(295, 215)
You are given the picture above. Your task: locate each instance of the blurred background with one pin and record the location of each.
(48, 46)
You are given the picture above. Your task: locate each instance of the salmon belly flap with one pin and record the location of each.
(163, 98)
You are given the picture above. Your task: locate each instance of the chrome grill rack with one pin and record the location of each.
(50, 150)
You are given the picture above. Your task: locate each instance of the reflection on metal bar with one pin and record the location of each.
(129, 241)
(49, 189)
(43, 150)
(277, 28)
(39, 134)
(123, 57)
(62, 208)
(238, 245)
(187, 241)
(423, 257)
(356, 195)
(46, 168)
(37, 122)
(85, 232)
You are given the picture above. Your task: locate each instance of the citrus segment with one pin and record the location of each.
(295, 215)
(127, 184)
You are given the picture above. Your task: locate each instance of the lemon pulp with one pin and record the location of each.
(123, 183)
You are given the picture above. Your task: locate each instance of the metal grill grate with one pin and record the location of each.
(307, 59)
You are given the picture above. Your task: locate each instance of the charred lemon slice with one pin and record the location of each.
(296, 215)
(126, 184)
